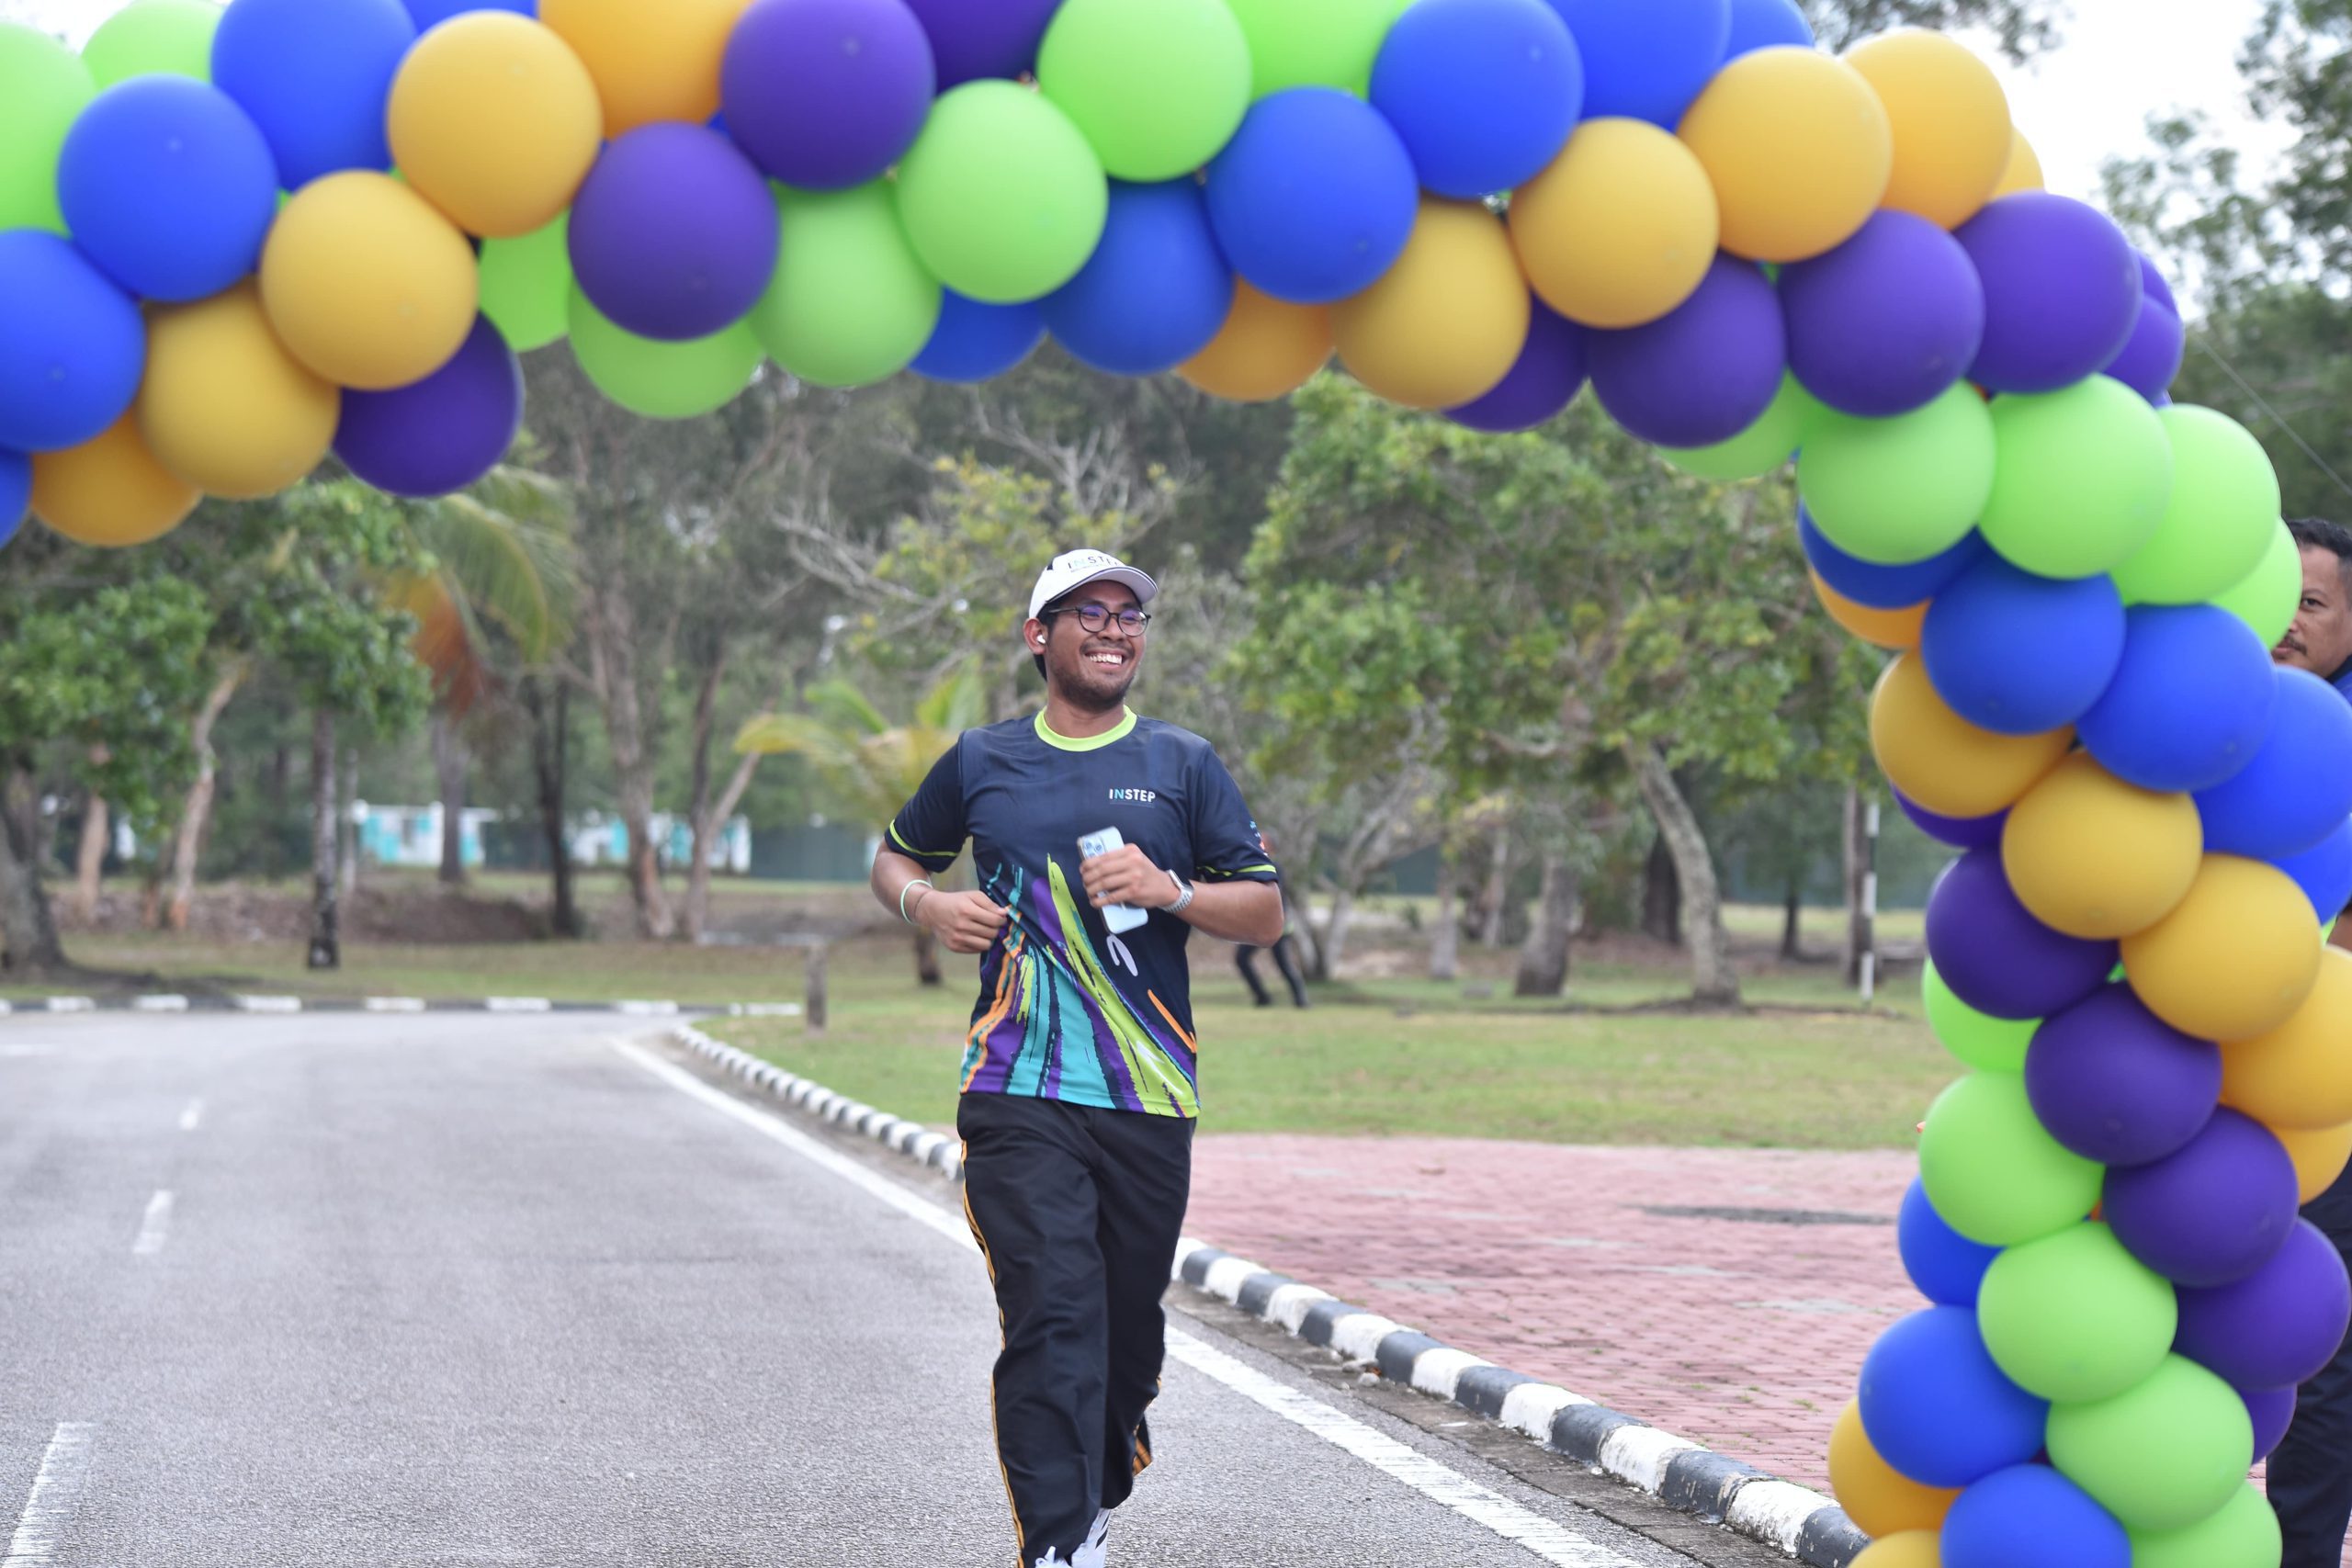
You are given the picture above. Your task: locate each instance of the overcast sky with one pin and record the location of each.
(2121, 60)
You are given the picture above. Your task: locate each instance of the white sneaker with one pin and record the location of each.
(1094, 1554)
(1054, 1559)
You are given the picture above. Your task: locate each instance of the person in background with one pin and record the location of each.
(1286, 951)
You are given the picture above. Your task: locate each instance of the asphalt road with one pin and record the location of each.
(456, 1291)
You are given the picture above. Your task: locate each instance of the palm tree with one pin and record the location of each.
(871, 764)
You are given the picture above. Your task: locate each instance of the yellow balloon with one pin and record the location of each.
(1879, 1499)
(1912, 1549)
(1448, 321)
(1620, 228)
(110, 492)
(224, 406)
(2092, 856)
(1798, 148)
(2320, 1156)
(2299, 1075)
(2234, 960)
(1892, 629)
(495, 121)
(1952, 136)
(1268, 348)
(367, 284)
(649, 62)
(2022, 172)
(1943, 761)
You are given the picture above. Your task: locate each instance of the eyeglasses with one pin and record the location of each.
(1095, 618)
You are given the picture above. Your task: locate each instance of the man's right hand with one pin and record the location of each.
(966, 922)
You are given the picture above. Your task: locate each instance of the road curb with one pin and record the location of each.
(1684, 1475)
(173, 1003)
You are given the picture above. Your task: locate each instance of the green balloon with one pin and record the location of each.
(1995, 1045)
(2268, 597)
(2244, 1533)
(1315, 43)
(43, 85)
(2083, 482)
(1892, 492)
(153, 38)
(1760, 450)
(1002, 195)
(850, 304)
(662, 380)
(2162, 1455)
(1993, 1172)
(2074, 1316)
(527, 285)
(1158, 89)
(2224, 504)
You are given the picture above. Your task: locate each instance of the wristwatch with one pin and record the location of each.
(1183, 894)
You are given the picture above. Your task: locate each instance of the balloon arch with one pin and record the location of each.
(233, 242)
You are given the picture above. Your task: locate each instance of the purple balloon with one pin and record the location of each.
(2062, 291)
(2115, 1083)
(971, 38)
(2213, 1213)
(2273, 1410)
(1996, 957)
(827, 93)
(673, 234)
(1702, 374)
(444, 432)
(1960, 832)
(2152, 359)
(1888, 322)
(2280, 1323)
(1549, 374)
(2152, 285)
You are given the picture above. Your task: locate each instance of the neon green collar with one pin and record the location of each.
(1118, 731)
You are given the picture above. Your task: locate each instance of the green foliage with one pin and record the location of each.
(871, 764)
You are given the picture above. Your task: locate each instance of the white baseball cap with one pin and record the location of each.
(1075, 571)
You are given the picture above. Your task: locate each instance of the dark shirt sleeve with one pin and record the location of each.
(1227, 845)
(930, 829)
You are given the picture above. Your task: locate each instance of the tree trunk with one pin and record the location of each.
(613, 655)
(1792, 926)
(927, 960)
(25, 921)
(346, 831)
(326, 945)
(90, 857)
(1661, 896)
(550, 761)
(1445, 940)
(697, 911)
(1858, 917)
(280, 791)
(449, 760)
(1498, 890)
(196, 815)
(1713, 978)
(1543, 957)
(1335, 936)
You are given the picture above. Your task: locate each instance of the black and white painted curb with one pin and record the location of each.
(269, 1004)
(1682, 1474)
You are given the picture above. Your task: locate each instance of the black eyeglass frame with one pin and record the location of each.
(1134, 624)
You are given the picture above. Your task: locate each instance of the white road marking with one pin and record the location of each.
(1550, 1541)
(191, 1116)
(56, 1489)
(152, 1227)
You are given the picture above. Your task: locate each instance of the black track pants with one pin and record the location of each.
(2311, 1476)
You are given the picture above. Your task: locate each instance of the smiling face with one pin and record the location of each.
(2321, 638)
(1090, 671)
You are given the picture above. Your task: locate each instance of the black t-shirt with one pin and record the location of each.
(1066, 1011)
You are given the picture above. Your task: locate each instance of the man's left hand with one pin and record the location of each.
(1126, 877)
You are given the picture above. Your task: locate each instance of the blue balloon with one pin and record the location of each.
(976, 342)
(1887, 321)
(1156, 290)
(2297, 789)
(15, 492)
(1885, 587)
(1936, 1408)
(2019, 654)
(1483, 92)
(1946, 1266)
(1646, 61)
(429, 13)
(1315, 196)
(2324, 873)
(315, 75)
(2031, 1517)
(73, 347)
(1766, 24)
(169, 187)
(2190, 702)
